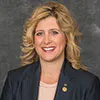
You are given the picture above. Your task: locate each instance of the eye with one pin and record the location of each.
(39, 33)
(55, 32)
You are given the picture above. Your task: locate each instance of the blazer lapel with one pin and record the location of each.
(30, 84)
(66, 82)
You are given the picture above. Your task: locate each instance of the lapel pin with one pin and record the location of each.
(64, 88)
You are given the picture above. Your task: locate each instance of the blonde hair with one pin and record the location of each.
(67, 25)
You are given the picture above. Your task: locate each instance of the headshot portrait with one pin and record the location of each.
(51, 65)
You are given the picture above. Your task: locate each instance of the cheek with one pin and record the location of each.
(37, 41)
(62, 41)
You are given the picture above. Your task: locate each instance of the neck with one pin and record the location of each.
(51, 70)
(53, 66)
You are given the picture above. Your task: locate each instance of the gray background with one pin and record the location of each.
(14, 13)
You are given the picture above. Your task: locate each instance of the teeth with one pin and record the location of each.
(48, 48)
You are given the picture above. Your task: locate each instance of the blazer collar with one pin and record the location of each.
(68, 70)
(67, 75)
(30, 82)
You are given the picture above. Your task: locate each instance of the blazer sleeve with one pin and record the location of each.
(7, 90)
(94, 90)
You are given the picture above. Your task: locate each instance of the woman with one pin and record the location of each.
(52, 69)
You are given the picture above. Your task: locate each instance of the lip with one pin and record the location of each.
(48, 49)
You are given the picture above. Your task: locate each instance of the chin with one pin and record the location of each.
(50, 59)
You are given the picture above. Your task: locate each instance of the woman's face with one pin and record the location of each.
(49, 41)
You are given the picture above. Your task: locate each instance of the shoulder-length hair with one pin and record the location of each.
(67, 25)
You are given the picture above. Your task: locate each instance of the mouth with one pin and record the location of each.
(48, 49)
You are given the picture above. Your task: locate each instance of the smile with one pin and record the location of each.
(48, 48)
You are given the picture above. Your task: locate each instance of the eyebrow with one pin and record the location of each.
(38, 30)
(49, 29)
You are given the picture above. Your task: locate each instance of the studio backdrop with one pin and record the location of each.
(14, 13)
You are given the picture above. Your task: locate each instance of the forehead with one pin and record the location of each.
(47, 23)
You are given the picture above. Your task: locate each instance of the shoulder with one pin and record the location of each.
(80, 75)
(86, 74)
(21, 72)
(87, 78)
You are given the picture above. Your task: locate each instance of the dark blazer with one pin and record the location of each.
(23, 84)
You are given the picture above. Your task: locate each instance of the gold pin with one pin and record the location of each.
(64, 89)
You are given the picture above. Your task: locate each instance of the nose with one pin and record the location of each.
(47, 39)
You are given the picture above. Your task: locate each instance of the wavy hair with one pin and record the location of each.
(67, 25)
